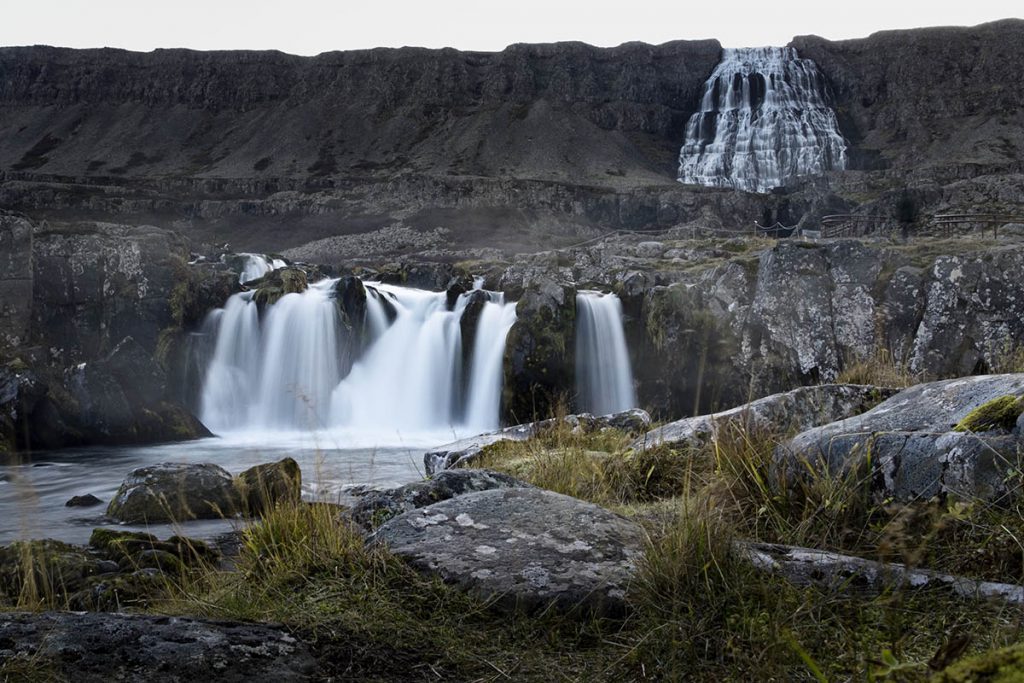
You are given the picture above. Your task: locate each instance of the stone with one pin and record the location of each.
(799, 409)
(539, 351)
(263, 486)
(88, 500)
(909, 442)
(174, 492)
(102, 647)
(836, 572)
(464, 451)
(63, 567)
(526, 548)
(375, 507)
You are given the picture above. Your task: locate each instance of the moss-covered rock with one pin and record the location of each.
(539, 352)
(262, 486)
(1005, 665)
(173, 492)
(277, 283)
(46, 568)
(999, 413)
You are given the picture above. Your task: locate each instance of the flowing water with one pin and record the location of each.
(764, 119)
(603, 376)
(33, 494)
(356, 397)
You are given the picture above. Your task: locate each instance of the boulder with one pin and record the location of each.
(174, 492)
(911, 446)
(526, 548)
(102, 647)
(88, 500)
(377, 506)
(464, 451)
(275, 284)
(263, 486)
(779, 413)
(52, 565)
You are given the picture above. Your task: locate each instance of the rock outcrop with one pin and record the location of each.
(912, 447)
(799, 409)
(526, 548)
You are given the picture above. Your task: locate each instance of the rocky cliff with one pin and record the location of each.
(534, 144)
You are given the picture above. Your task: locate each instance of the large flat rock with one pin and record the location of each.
(101, 647)
(527, 548)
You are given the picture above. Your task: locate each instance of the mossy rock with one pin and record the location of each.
(52, 567)
(1005, 665)
(112, 593)
(999, 413)
(263, 486)
(275, 284)
(115, 543)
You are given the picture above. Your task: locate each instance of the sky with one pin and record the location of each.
(309, 27)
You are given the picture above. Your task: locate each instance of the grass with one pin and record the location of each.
(881, 370)
(697, 610)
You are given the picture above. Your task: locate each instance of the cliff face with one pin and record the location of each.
(932, 101)
(530, 111)
(528, 148)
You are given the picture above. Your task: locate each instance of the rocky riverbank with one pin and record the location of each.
(664, 538)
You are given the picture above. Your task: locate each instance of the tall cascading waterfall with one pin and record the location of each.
(284, 370)
(764, 119)
(604, 379)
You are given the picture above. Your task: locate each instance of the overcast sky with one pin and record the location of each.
(310, 26)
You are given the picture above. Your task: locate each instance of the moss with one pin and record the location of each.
(1005, 665)
(999, 413)
(114, 541)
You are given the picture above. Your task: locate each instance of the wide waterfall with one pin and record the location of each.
(764, 119)
(604, 378)
(401, 370)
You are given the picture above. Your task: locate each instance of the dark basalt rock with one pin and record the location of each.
(88, 500)
(539, 351)
(102, 648)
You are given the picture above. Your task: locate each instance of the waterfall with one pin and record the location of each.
(256, 266)
(764, 119)
(284, 369)
(484, 402)
(604, 379)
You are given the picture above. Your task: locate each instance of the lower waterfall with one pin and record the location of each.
(604, 379)
(400, 369)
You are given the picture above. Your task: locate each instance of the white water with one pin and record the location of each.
(283, 373)
(256, 266)
(764, 119)
(486, 371)
(604, 379)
